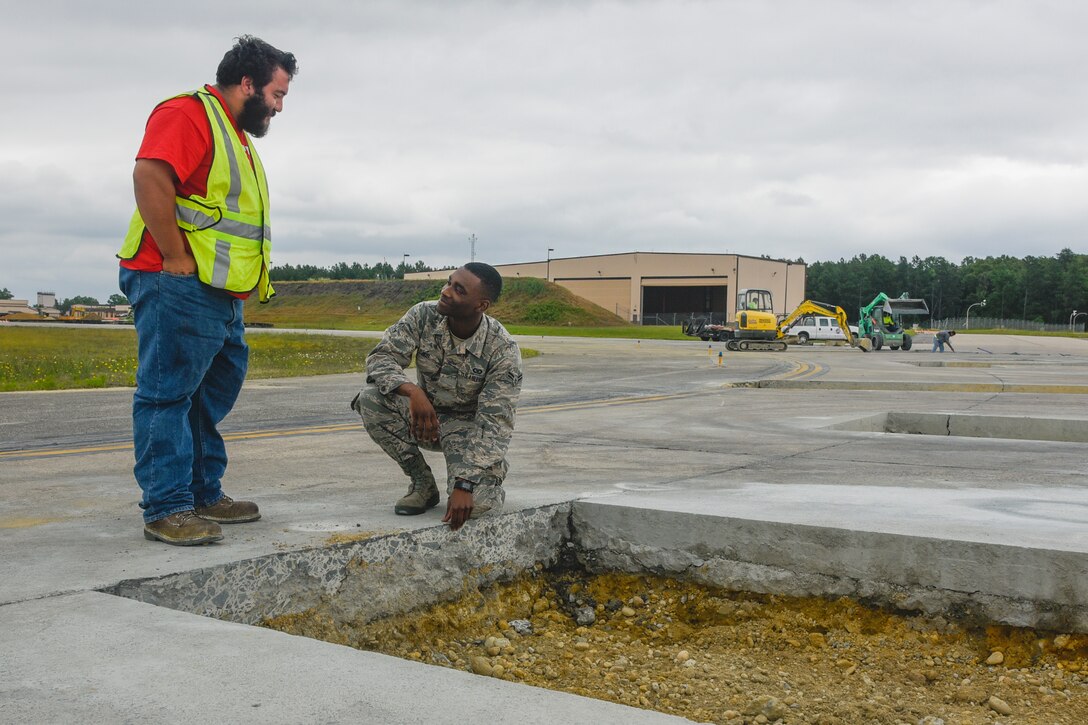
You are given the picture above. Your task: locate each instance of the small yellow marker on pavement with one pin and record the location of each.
(720, 359)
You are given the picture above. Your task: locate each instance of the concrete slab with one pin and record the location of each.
(939, 551)
(649, 426)
(96, 658)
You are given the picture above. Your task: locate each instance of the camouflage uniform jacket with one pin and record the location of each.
(479, 379)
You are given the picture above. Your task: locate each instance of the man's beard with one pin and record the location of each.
(255, 115)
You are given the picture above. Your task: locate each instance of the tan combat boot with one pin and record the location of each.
(422, 494)
(184, 528)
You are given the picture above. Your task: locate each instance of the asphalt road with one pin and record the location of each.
(571, 370)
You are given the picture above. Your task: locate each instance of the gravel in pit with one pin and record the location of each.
(712, 655)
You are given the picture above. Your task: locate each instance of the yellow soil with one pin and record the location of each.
(726, 657)
(350, 538)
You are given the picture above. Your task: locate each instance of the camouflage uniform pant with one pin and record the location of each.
(388, 423)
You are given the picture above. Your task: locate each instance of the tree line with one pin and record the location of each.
(1039, 289)
(343, 270)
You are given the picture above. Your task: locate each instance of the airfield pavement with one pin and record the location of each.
(777, 446)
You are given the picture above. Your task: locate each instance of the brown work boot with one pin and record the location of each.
(184, 528)
(228, 511)
(422, 494)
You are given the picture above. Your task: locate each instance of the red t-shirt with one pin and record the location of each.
(178, 132)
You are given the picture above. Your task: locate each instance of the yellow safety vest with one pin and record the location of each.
(228, 229)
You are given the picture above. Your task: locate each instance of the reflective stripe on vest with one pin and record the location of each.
(231, 201)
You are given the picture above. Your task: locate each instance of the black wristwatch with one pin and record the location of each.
(464, 485)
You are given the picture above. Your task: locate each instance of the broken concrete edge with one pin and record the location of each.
(364, 580)
(908, 386)
(970, 582)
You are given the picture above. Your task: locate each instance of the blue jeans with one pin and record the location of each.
(938, 345)
(192, 363)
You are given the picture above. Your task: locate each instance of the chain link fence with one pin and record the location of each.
(977, 322)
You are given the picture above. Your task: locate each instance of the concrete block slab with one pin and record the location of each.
(743, 539)
(96, 658)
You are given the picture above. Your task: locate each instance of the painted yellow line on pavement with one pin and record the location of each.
(46, 452)
(315, 430)
(127, 445)
(604, 402)
(803, 370)
(292, 432)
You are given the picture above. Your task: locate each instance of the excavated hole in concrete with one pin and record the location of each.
(713, 655)
(971, 426)
(535, 597)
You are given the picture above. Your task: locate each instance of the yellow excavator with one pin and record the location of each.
(753, 327)
(757, 328)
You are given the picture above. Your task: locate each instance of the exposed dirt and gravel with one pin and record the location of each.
(725, 657)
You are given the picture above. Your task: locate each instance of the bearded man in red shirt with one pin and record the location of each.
(198, 245)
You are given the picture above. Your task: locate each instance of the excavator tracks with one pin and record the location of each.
(756, 346)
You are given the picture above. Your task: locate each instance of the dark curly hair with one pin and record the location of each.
(255, 58)
(489, 277)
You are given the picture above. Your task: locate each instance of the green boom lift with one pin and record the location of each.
(881, 321)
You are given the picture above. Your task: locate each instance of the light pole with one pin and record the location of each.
(404, 265)
(548, 273)
(967, 324)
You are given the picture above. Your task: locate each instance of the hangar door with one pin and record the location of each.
(675, 303)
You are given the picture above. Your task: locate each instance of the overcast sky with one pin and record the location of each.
(794, 129)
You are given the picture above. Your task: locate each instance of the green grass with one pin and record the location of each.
(1026, 333)
(35, 358)
(61, 358)
(295, 355)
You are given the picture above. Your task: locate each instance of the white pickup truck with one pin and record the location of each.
(817, 327)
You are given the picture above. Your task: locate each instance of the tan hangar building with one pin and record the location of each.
(664, 286)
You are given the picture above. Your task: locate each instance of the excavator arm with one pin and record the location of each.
(810, 307)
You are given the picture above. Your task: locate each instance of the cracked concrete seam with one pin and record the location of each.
(364, 579)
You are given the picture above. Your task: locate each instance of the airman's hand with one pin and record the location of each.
(421, 412)
(458, 509)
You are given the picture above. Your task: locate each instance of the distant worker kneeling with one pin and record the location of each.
(468, 380)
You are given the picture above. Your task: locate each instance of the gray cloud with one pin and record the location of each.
(796, 129)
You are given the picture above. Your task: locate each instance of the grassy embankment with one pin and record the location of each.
(528, 306)
(36, 358)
